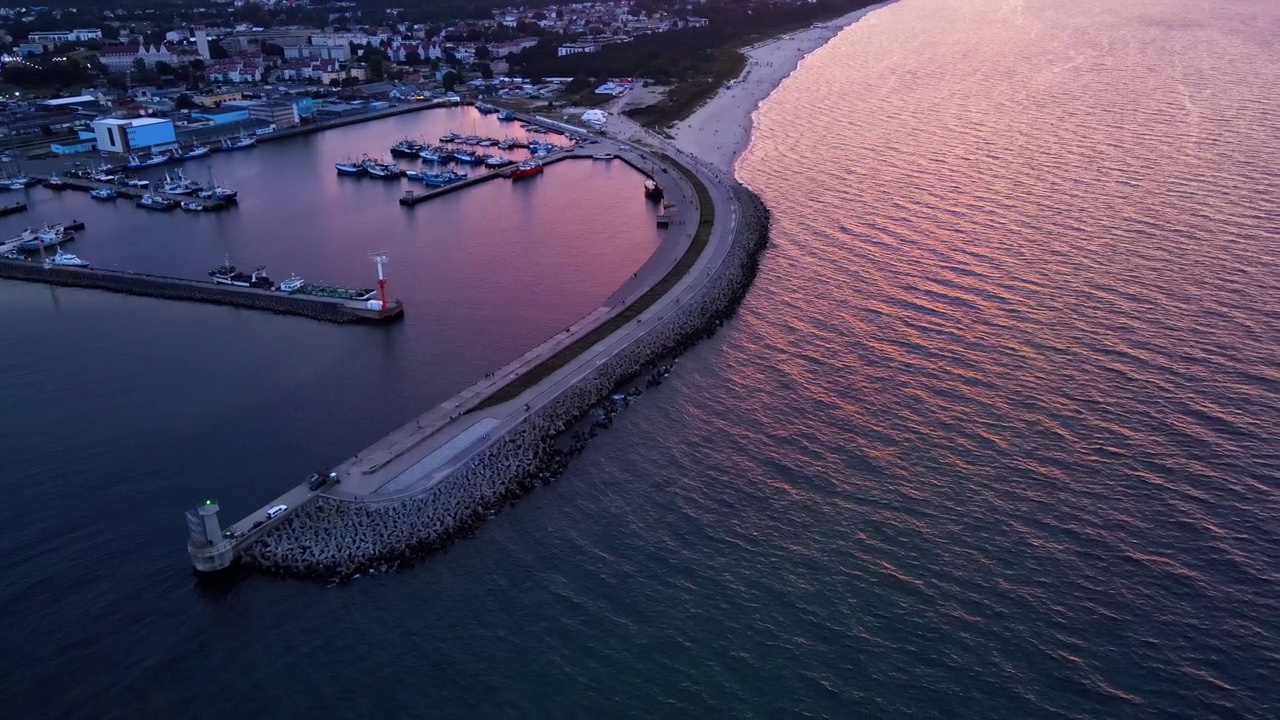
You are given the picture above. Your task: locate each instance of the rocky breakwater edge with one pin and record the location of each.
(338, 539)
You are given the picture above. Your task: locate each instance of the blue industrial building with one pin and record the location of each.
(126, 135)
(224, 114)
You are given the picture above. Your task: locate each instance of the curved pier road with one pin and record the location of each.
(419, 454)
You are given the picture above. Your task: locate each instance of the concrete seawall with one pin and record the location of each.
(180, 289)
(332, 538)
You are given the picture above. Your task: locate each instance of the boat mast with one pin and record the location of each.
(380, 258)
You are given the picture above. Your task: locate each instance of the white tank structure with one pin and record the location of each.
(209, 551)
(595, 118)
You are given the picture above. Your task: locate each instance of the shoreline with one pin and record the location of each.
(720, 130)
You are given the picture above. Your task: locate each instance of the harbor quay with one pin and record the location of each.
(434, 478)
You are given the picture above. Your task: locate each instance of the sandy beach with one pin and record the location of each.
(719, 131)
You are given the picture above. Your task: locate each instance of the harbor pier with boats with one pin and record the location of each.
(431, 480)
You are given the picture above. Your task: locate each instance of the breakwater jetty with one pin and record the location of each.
(444, 494)
(171, 288)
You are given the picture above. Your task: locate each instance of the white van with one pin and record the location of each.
(275, 511)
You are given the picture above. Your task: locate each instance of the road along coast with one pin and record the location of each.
(491, 454)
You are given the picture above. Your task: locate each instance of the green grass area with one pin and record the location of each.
(536, 374)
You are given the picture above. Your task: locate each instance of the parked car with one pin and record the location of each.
(315, 481)
(275, 511)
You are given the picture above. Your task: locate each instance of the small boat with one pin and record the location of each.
(292, 285)
(447, 177)
(652, 190)
(56, 183)
(156, 202)
(487, 142)
(137, 183)
(193, 206)
(470, 140)
(603, 156)
(385, 171)
(138, 163)
(103, 193)
(350, 167)
(196, 152)
(103, 173)
(450, 137)
(506, 115)
(495, 161)
(435, 154)
(466, 157)
(63, 258)
(217, 193)
(405, 148)
(414, 174)
(244, 141)
(486, 108)
(528, 168)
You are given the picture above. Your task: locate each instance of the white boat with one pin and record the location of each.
(47, 236)
(137, 183)
(495, 161)
(350, 167)
(244, 141)
(156, 202)
(195, 152)
(603, 156)
(67, 259)
(178, 184)
(293, 284)
(103, 193)
(193, 206)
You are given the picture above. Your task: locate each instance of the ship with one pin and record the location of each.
(450, 137)
(652, 190)
(529, 168)
(435, 154)
(218, 193)
(447, 177)
(385, 171)
(193, 206)
(406, 149)
(196, 152)
(486, 108)
(103, 193)
(506, 115)
(292, 285)
(179, 184)
(349, 167)
(138, 163)
(226, 274)
(240, 143)
(495, 161)
(47, 236)
(603, 156)
(63, 258)
(465, 157)
(156, 202)
(55, 183)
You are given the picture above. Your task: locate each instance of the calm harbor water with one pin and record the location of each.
(993, 435)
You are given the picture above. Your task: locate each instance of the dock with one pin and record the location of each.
(13, 208)
(411, 197)
(124, 191)
(329, 309)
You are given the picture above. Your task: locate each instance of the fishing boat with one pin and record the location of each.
(179, 184)
(46, 236)
(244, 141)
(349, 167)
(447, 177)
(495, 161)
(103, 173)
(138, 163)
(434, 154)
(103, 193)
(64, 258)
(193, 206)
(465, 157)
(652, 190)
(55, 183)
(137, 183)
(507, 115)
(486, 108)
(603, 156)
(217, 192)
(528, 168)
(226, 274)
(383, 170)
(198, 151)
(449, 137)
(406, 149)
(487, 142)
(156, 202)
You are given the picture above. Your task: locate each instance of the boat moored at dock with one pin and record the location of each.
(151, 201)
(66, 259)
(226, 274)
(45, 236)
(349, 167)
(138, 163)
(652, 190)
(103, 193)
(244, 141)
(526, 169)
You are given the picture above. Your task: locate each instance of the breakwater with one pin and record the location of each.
(334, 538)
(315, 308)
